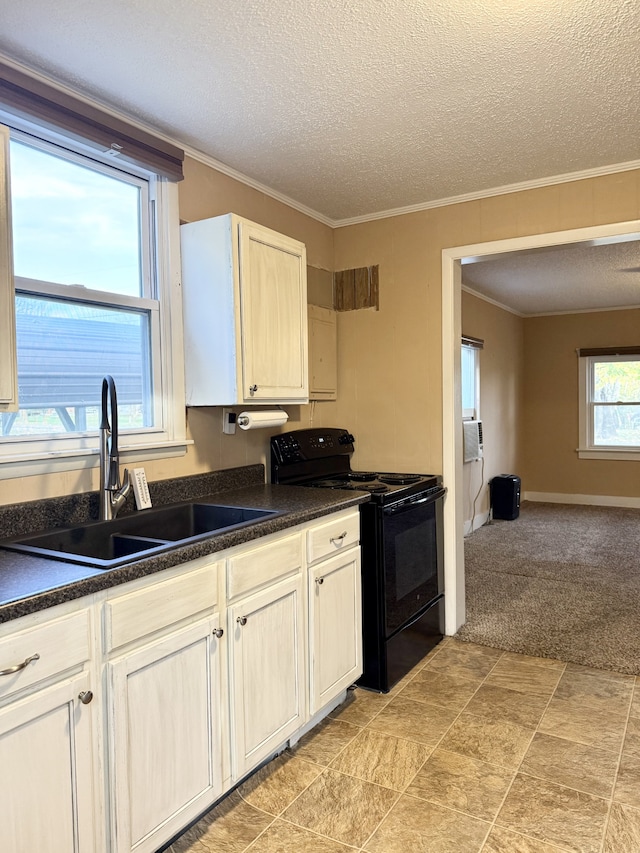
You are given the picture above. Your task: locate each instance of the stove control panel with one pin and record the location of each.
(306, 444)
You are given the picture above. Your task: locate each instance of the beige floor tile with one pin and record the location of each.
(632, 737)
(438, 688)
(278, 783)
(585, 768)
(341, 807)
(627, 789)
(518, 673)
(416, 826)
(595, 692)
(525, 709)
(465, 660)
(599, 673)
(495, 741)
(325, 741)
(504, 841)
(230, 826)
(283, 837)
(360, 706)
(623, 830)
(547, 812)
(413, 720)
(382, 759)
(635, 702)
(591, 726)
(548, 663)
(462, 783)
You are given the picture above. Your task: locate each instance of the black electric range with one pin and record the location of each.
(401, 542)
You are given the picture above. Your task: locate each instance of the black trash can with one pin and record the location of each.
(505, 496)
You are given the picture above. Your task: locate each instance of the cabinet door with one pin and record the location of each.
(165, 736)
(335, 626)
(273, 300)
(46, 781)
(323, 353)
(267, 672)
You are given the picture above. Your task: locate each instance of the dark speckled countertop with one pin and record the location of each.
(29, 584)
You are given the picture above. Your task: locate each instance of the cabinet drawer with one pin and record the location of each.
(162, 605)
(338, 534)
(258, 566)
(60, 645)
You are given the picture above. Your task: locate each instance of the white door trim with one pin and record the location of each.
(451, 403)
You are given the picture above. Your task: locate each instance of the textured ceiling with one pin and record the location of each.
(352, 107)
(571, 278)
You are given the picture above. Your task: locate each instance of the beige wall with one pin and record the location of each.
(390, 387)
(390, 361)
(501, 397)
(550, 429)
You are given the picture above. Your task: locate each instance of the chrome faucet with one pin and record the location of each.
(112, 493)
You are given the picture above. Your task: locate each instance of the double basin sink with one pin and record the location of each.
(107, 544)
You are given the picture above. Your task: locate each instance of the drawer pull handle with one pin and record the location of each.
(85, 697)
(19, 666)
(241, 620)
(319, 581)
(338, 539)
(218, 632)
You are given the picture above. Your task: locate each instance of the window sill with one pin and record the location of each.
(611, 454)
(58, 461)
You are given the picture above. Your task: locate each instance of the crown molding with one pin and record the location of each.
(491, 301)
(208, 160)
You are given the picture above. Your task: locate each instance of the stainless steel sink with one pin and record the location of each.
(106, 544)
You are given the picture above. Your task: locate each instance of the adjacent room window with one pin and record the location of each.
(93, 271)
(470, 377)
(609, 403)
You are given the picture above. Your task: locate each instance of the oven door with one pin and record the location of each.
(413, 564)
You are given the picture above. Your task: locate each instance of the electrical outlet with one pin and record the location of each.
(229, 420)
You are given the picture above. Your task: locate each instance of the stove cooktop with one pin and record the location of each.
(377, 483)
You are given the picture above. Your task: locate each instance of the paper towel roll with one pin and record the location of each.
(260, 420)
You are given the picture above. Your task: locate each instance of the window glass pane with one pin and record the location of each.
(616, 381)
(73, 224)
(468, 368)
(64, 350)
(617, 426)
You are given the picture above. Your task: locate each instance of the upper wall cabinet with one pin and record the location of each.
(245, 314)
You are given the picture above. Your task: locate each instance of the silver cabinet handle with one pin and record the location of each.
(25, 663)
(336, 539)
(319, 581)
(85, 697)
(218, 632)
(241, 620)
(253, 389)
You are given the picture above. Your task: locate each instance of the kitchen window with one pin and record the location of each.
(609, 410)
(96, 275)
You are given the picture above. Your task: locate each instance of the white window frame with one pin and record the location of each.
(587, 449)
(31, 455)
(474, 413)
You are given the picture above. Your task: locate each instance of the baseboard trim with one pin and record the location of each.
(589, 500)
(478, 521)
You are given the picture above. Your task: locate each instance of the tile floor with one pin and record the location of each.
(475, 751)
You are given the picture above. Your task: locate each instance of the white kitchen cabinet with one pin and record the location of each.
(323, 353)
(47, 782)
(335, 608)
(245, 314)
(267, 672)
(8, 362)
(167, 736)
(165, 722)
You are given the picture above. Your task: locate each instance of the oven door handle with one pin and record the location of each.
(409, 503)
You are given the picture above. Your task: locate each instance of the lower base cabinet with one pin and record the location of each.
(166, 736)
(267, 672)
(46, 771)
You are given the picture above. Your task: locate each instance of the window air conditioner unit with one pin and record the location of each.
(472, 440)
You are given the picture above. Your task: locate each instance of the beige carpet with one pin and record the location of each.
(560, 581)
